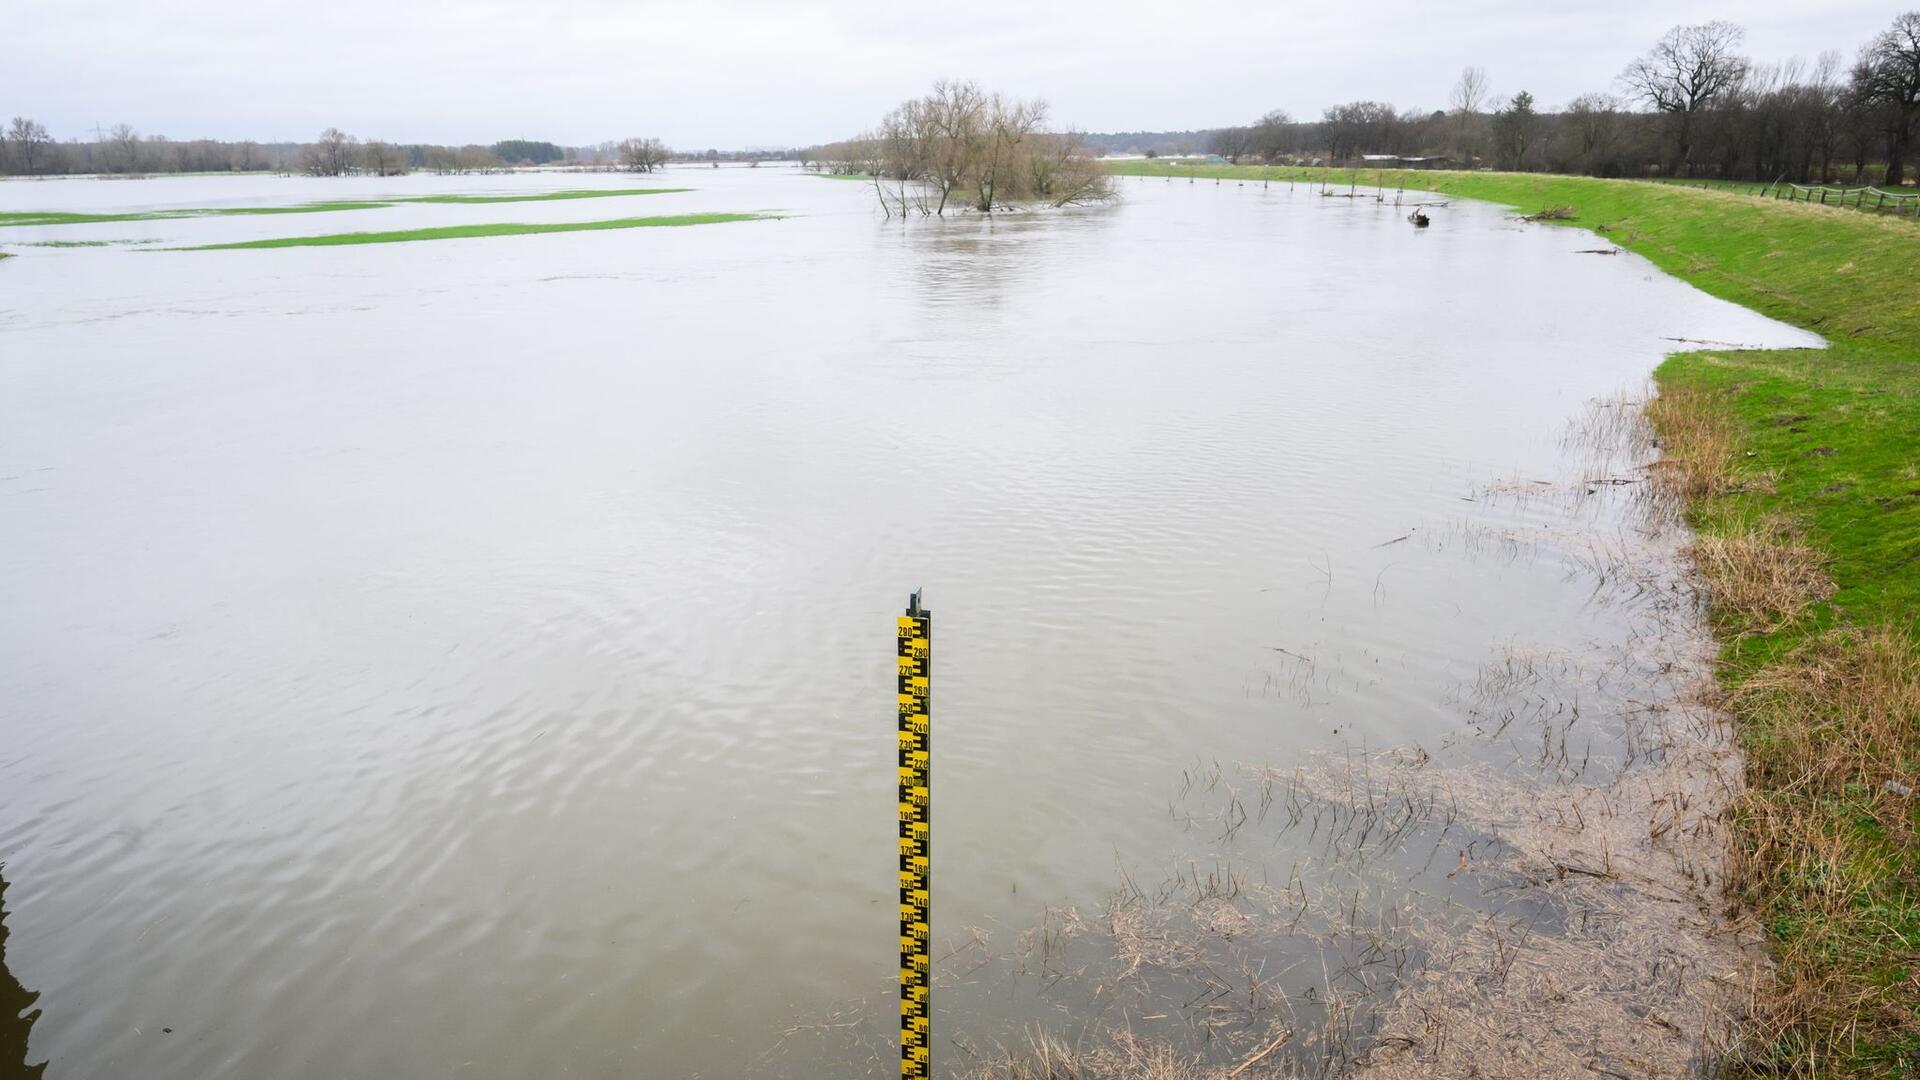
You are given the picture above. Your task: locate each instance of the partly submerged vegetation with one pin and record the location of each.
(75, 243)
(550, 196)
(66, 217)
(465, 232)
(960, 145)
(1801, 474)
(62, 217)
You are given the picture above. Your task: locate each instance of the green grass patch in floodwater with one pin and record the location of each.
(551, 196)
(301, 208)
(468, 232)
(62, 217)
(841, 176)
(20, 218)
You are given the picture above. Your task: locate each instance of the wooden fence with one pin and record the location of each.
(1873, 199)
(1860, 198)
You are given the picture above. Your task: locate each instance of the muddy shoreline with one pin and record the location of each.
(1542, 894)
(1603, 942)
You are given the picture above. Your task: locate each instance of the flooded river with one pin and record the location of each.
(474, 657)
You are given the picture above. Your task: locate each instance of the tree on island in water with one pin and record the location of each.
(17, 1013)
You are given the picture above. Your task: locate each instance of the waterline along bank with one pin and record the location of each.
(1801, 471)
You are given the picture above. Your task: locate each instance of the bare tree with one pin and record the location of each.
(1888, 77)
(1593, 121)
(1469, 91)
(1232, 143)
(1468, 94)
(959, 138)
(123, 149)
(159, 152)
(1273, 135)
(957, 114)
(382, 159)
(643, 155)
(331, 155)
(1359, 127)
(1062, 172)
(1687, 72)
(1825, 98)
(480, 159)
(903, 158)
(28, 137)
(997, 166)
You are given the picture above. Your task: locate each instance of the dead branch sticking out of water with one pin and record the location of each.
(1551, 213)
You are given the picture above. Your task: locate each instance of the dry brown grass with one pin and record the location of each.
(1762, 576)
(1699, 444)
(1834, 710)
(1825, 830)
(1832, 734)
(1762, 573)
(1119, 1055)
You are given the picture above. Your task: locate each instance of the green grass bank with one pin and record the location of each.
(467, 232)
(1801, 475)
(20, 218)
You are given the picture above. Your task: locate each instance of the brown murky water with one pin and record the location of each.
(472, 658)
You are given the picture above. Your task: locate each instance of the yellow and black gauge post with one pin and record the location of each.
(915, 630)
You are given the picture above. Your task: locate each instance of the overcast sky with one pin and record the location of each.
(744, 72)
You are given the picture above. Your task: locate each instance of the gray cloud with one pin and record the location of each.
(744, 72)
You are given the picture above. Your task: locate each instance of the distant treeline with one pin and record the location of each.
(28, 149)
(1152, 143)
(1693, 105)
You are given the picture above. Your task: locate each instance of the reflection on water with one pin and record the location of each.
(474, 657)
(17, 1010)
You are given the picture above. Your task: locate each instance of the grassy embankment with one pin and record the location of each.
(1800, 471)
(465, 232)
(62, 217)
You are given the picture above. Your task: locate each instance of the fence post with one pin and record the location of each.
(914, 631)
